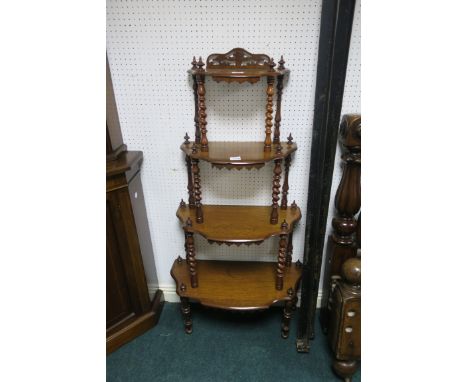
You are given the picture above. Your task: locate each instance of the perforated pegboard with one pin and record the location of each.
(150, 46)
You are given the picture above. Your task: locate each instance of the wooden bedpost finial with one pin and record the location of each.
(187, 139)
(194, 63)
(188, 222)
(284, 225)
(281, 63)
(290, 139)
(271, 64)
(294, 205)
(182, 203)
(200, 64)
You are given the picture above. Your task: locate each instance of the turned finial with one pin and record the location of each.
(290, 139)
(271, 64)
(200, 64)
(194, 63)
(298, 263)
(194, 149)
(294, 205)
(179, 260)
(188, 222)
(183, 288)
(187, 139)
(281, 63)
(182, 203)
(351, 271)
(284, 225)
(290, 292)
(279, 148)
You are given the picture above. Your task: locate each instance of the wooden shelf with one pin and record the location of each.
(238, 154)
(238, 224)
(235, 285)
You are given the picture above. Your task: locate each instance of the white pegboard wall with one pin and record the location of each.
(150, 46)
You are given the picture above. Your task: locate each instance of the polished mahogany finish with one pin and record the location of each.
(235, 285)
(228, 224)
(239, 155)
(238, 285)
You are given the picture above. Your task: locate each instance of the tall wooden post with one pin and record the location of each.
(347, 204)
(195, 95)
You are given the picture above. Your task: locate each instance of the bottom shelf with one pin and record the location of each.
(236, 285)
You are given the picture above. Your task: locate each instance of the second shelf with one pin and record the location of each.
(238, 224)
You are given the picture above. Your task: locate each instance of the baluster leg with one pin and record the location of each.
(287, 314)
(276, 191)
(185, 309)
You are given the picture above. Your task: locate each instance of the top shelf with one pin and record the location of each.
(238, 65)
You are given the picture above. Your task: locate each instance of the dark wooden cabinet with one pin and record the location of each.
(129, 311)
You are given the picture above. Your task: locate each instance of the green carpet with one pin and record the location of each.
(224, 347)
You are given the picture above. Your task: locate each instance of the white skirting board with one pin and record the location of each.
(170, 294)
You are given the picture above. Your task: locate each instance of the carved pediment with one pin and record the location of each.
(237, 58)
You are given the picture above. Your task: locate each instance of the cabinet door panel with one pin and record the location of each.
(118, 303)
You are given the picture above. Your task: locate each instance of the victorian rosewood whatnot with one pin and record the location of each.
(239, 285)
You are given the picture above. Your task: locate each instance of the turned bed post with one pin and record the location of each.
(347, 204)
(201, 105)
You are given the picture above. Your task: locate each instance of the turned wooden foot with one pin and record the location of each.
(185, 309)
(287, 314)
(345, 369)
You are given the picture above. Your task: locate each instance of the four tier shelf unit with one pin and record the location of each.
(238, 285)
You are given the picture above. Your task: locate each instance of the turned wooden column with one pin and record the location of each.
(197, 190)
(289, 250)
(283, 242)
(185, 310)
(195, 95)
(191, 195)
(347, 204)
(190, 254)
(269, 113)
(279, 93)
(201, 105)
(276, 191)
(287, 313)
(284, 199)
